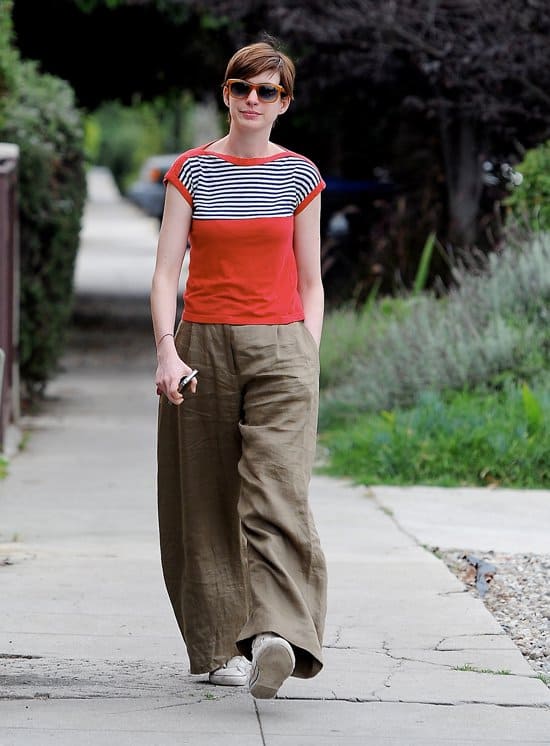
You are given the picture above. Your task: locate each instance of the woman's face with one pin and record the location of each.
(249, 110)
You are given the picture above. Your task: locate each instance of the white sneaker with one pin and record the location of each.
(273, 662)
(234, 672)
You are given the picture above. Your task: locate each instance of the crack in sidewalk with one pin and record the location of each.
(450, 703)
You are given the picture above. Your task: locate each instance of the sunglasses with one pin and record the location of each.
(266, 92)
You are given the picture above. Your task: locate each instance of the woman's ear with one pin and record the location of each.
(225, 96)
(285, 103)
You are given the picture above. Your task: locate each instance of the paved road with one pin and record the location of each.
(89, 649)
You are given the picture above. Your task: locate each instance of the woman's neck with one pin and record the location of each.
(239, 146)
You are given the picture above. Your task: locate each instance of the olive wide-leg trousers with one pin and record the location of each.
(239, 548)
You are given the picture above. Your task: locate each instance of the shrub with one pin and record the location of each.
(347, 330)
(122, 137)
(493, 323)
(125, 136)
(529, 203)
(44, 122)
(8, 56)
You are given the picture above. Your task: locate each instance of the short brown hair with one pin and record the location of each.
(262, 57)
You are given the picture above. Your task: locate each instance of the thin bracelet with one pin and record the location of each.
(168, 334)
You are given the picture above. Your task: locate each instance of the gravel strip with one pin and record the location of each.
(517, 594)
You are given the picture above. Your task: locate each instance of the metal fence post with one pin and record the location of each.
(9, 289)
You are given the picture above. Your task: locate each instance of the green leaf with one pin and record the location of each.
(388, 417)
(533, 410)
(424, 266)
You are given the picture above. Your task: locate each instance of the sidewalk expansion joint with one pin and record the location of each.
(450, 703)
(258, 718)
(382, 508)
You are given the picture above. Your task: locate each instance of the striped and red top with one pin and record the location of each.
(242, 268)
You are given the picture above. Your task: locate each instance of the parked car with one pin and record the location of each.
(147, 192)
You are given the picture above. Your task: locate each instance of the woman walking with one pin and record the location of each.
(241, 557)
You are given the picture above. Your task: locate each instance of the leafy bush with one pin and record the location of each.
(122, 137)
(44, 122)
(125, 136)
(529, 203)
(493, 324)
(8, 56)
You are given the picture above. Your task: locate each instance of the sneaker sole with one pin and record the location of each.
(273, 665)
(228, 680)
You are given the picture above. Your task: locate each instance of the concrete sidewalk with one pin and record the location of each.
(90, 652)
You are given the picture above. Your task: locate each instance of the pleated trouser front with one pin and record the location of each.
(239, 548)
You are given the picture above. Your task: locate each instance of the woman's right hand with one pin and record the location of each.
(170, 370)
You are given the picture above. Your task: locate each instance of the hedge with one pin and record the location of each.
(42, 119)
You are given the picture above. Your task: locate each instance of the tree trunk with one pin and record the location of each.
(463, 178)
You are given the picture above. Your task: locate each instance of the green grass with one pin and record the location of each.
(469, 667)
(499, 438)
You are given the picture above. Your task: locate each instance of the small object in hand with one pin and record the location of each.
(184, 383)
